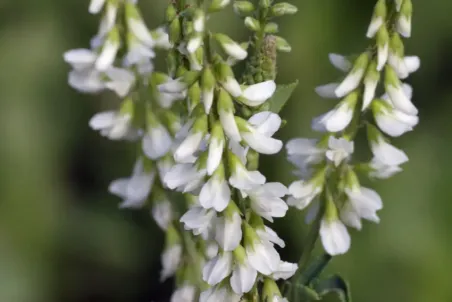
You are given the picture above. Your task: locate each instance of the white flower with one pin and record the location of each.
(394, 122)
(113, 124)
(263, 257)
(400, 100)
(285, 270)
(232, 86)
(134, 190)
(404, 25)
(162, 213)
(170, 261)
(199, 220)
(350, 83)
(80, 58)
(194, 43)
(138, 28)
(268, 234)
(363, 203)
(335, 120)
(370, 86)
(139, 55)
(173, 86)
(243, 277)
(186, 293)
(184, 177)
(303, 152)
(216, 148)
(266, 200)
(386, 153)
(258, 140)
(257, 94)
(339, 149)
(87, 81)
(95, 6)
(374, 26)
(335, 237)
(108, 54)
(327, 91)
(189, 146)
(381, 170)
(219, 293)
(340, 62)
(164, 165)
(243, 179)
(382, 57)
(120, 80)
(217, 268)
(412, 63)
(235, 50)
(303, 192)
(211, 249)
(215, 193)
(156, 142)
(228, 231)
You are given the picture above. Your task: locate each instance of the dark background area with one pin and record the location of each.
(62, 237)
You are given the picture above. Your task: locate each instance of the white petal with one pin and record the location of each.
(374, 26)
(388, 154)
(121, 80)
(215, 194)
(233, 87)
(243, 278)
(383, 53)
(369, 93)
(87, 81)
(404, 26)
(162, 214)
(189, 146)
(243, 179)
(257, 94)
(157, 142)
(262, 143)
(95, 6)
(173, 86)
(139, 29)
(216, 148)
(235, 50)
(207, 99)
(335, 237)
(217, 269)
(327, 91)
(268, 234)
(170, 261)
(340, 62)
(186, 293)
(194, 44)
(103, 120)
(400, 100)
(285, 270)
(229, 125)
(266, 122)
(228, 232)
(350, 83)
(335, 120)
(107, 56)
(198, 219)
(263, 257)
(118, 187)
(80, 58)
(412, 63)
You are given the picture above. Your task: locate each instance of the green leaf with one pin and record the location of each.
(336, 284)
(315, 268)
(281, 96)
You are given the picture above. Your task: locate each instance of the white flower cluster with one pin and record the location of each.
(231, 201)
(147, 121)
(323, 165)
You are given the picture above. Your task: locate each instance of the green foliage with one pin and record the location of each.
(281, 96)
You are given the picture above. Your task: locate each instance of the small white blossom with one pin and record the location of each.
(199, 220)
(335, 120)
(217, 268)
(340, 62)
(219, 293)
(339, 150)
(263, 257)
(162, 213)
(285, 270)
(113, 125)
(156, 142)
(243, 277)
(134, 190)
(335, 237)
(303, 193)
(170, 259)
(185, 293)
(257, 94)
(228, 232)
(327, 91)
(266, 200)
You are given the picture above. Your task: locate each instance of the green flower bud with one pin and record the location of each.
(174, 31)
(252, 24)
(283, 8)
(171, 13)
(271, 28)
(282, 45)
(243, 8)
(218, 5)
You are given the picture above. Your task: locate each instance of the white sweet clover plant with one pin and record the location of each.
(200, 129)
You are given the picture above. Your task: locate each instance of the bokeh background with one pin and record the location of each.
(62, 237)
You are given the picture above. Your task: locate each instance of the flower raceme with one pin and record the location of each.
(329, 184)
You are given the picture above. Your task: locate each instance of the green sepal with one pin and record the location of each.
(283, 8)
(336, 284)
(171, 13)
(282, 45)
(407, 9)
(281, 96)
(175, 31)
(396, 45)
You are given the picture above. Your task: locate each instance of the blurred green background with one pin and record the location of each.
(62, 237)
